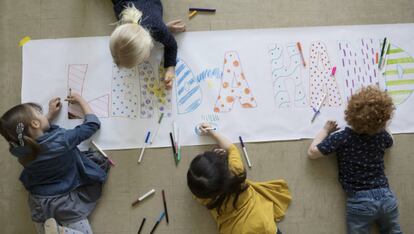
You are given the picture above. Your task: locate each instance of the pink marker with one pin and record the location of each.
(333, 71)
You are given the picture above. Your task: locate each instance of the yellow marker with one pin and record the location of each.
(192, 14)
(24, 40)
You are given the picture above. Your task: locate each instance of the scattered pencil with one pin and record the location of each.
(317, 111)
(102, 152)
(140, 199)
(141, 226)
(158, 222)
(192, 14)
(165, 205)
(209, 10)
(143, 148)
(245, 152)
(301, 53)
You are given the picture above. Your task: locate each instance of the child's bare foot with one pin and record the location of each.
(176, 26)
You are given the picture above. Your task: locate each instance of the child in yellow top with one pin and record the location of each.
(218, 180)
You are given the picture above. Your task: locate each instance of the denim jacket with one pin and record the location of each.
(61, 166)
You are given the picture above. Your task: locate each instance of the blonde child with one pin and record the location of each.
(64, 183)
(218, 180)
(360, 151)
(140, 21)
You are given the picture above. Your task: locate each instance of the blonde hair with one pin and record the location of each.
(130, 43)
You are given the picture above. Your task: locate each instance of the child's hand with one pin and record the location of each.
(54, 107)
(176, 26)
(169, 77)
(75, 98)
(330, 126)
(206, 129)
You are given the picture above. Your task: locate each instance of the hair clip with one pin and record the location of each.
(19, 131)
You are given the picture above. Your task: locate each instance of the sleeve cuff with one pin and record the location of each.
(322, 150)
(92, 118)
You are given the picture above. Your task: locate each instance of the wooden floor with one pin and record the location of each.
(318, 201)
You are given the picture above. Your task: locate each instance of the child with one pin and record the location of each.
(218, 179)
(139, 22)
(64, 183)
(360, 150)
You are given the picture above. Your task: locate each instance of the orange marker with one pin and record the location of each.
(376, 58)
(301, 53)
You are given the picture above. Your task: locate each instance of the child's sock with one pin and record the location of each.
(51, 227)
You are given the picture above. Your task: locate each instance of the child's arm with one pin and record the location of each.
(221, 140)
(84, 131)
(313, 151)
(54, 107)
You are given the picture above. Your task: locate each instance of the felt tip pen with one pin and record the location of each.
(245, 152)
(143, 148)
(140, 199)
(158, 222)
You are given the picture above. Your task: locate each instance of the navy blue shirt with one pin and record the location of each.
(360, 158)
(152, 20)
(61, 167)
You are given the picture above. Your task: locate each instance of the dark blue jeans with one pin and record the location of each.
(378, 206)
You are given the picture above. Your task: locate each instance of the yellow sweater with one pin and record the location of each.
(257, 208)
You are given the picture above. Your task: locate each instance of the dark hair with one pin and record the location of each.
(23, 114)
(209, 176)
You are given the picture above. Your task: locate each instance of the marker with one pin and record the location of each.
(158, 222)
(143, 148)
(178, 145)
(165, 205)
(192, 14)
(384, 61)
(210, 10)
(142, 225)
(173, 147)
(333, 72)
(301, 53)
(317, 111)
(102, 152)
(245, 152)
(175, 134)
(382, 52)
(152, 191)
(158, 128)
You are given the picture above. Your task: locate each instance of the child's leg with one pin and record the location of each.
(360, 214)
(82, 226)
(388, 221)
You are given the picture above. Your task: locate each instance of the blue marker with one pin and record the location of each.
(158, 222)
(143, 149)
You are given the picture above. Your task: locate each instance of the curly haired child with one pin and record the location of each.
(360, 152)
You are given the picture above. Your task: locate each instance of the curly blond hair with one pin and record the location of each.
(369, 110)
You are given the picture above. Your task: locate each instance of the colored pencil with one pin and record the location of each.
(143, 148)
(102, 152)
(210, 10)
(165, 206)
(245, 152)
(158, 222)
(140, 199)
(141, 226)
(301, 53)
